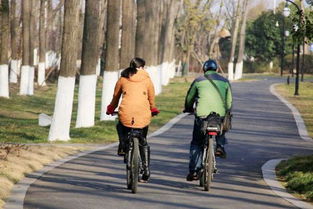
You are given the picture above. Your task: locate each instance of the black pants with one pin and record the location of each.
(123, 131)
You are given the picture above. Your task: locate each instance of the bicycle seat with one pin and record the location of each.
(136, 133)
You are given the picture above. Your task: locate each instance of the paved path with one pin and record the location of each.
(264, 129)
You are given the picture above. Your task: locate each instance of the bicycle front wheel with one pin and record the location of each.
(135, 165)
(208, 165)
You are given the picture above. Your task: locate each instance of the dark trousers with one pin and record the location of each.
(123, 132)
(196, 146)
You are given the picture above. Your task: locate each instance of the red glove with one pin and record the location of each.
(154, 111)
(110, 110)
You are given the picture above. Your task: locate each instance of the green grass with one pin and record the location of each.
(297, 172)
(19, 114)
(303, 102)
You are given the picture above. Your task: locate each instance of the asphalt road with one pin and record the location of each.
(263, 129)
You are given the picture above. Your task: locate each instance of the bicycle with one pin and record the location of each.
(212, 129)
(132, 159)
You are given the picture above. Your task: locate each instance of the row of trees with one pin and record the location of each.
(115, 30)
(203, 32)
(267, 40)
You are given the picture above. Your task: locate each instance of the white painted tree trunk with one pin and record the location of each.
(238, 71)
(61, 120)
(172, 67)
(158, 84)
(230, 71)
(86, 101)
(31, 77)
(4, 81)
(36, 57)
(51, 59)
(109, 81)
(98, 69)
(41, 74)
(14, 71)
(165, 73)
(24, 79)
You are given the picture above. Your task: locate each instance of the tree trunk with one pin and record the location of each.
(234, 42)
(168, 69)
(5, 38)
(239, 63)
(42, 44)
(32, 47)
(140, 29)
(102, 30)
(112, 60)
(26, 63)
(88, 77)
(14, 68)
(60, 126)
(128, 33)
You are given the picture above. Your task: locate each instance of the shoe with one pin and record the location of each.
(220, 152)
(120, 151)
(192, 177)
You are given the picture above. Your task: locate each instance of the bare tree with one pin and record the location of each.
(90, 54)
(128, 32)
(5, 34)
(14, 68)
(42, 44)
(112, 60)
(26, 62)
(60, 126)
(234, 36)
(239, 63)
(140, 29)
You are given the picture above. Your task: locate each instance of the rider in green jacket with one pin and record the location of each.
(204, 96)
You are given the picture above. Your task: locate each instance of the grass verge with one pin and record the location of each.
(303, 102)
(22, 161)
(19, 114)
(297, 173)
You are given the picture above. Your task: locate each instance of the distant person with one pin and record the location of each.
(206, 99)
(136, 108)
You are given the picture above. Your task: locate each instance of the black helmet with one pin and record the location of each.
(209, 65)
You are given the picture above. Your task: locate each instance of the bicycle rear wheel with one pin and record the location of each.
(134, 165)
(208, 166)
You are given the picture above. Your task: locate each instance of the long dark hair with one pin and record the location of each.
(133, 65)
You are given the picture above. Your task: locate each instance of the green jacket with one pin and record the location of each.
(206, 97)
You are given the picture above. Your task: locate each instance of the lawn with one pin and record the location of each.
(19, 114)
(297, 172)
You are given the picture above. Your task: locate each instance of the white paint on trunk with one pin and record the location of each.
(271, 65)
(238, 71)
(157, 74)
(230, 71)
(24, 79)
(86, 101)
(31, 77)
(41, 74)
(78, 64)
(179, 69)
(164, 73)
(51, 59)
(109, 81)
(172, 69)
(36, 57)
(4, 81)
(14, 71)
(98, 69)
(61, 120)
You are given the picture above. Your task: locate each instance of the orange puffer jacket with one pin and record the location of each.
(137, 99)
